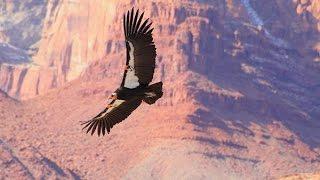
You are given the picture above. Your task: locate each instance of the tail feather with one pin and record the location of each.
(154, 93)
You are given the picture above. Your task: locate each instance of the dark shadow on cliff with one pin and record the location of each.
(291, 85)
(13, 55)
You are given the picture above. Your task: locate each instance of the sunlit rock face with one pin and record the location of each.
(53, 41)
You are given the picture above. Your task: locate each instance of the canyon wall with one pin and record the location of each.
(72, 34)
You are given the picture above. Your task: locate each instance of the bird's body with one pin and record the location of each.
(134, 88)
(124, 93)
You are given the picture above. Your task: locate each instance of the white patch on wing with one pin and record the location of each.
(131, 81)
(115, 104)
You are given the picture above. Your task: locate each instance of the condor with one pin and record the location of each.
(138, 73)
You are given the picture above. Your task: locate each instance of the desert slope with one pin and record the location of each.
(155, 142)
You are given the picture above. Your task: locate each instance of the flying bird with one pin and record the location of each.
(138, 73)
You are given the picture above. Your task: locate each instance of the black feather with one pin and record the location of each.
(91, 124)
(138, 25)
(135, 22)
(99, 127)
(127, 22)
(143, 26)
(103, 128)
(130, 22)
(150, 31)
(146, 28)
(95, 126)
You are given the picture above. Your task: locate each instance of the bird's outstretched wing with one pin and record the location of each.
(110, 116)
(141, 50)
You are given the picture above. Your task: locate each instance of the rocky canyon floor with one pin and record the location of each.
(42, 138)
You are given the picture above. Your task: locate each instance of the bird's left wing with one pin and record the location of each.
(141, 50)
(117, 112)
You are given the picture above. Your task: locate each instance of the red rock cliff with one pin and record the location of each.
(75, 33)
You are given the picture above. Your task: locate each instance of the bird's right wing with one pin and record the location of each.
(110, 116)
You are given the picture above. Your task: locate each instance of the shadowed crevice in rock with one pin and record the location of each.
(221, 156)
(27, 173)
(213, 142)
(234, 145)
(51, 164)
(224, 157)
(21, 78)
(30, 163)
(74, 175)
(208, 140)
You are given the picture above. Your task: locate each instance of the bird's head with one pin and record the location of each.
(113, 96)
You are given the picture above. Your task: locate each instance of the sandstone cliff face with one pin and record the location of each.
(75, 33)
(72, 35)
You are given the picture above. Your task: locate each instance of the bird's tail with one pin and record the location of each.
(154, 93)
